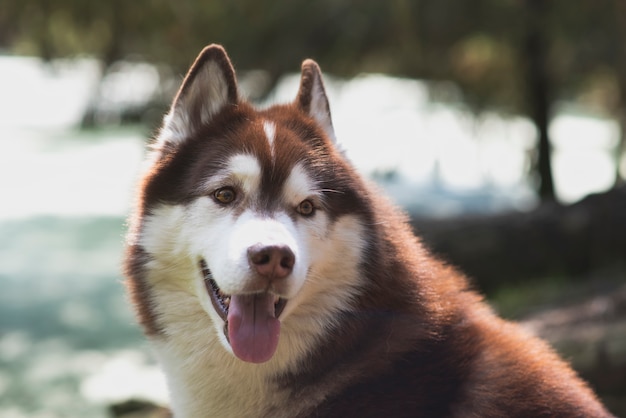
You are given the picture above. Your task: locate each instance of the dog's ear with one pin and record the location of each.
(312, 96)
(208, 87)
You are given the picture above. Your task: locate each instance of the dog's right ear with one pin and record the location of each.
(208, 87)
(312, 97)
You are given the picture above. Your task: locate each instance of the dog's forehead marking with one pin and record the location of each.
(299, 184)
(270, 132)
(246, 169)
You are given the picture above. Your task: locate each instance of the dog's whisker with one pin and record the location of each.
(330, 191)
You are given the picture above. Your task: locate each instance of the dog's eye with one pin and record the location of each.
(306, 208)
(225, 195)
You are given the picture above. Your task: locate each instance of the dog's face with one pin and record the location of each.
(254, 215)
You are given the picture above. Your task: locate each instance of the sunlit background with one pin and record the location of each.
(435, 100)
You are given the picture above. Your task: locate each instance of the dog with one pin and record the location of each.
(275, 281)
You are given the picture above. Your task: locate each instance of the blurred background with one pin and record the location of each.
(498, 124)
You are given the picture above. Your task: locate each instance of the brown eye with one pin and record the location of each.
(225, 195)
(306, 208)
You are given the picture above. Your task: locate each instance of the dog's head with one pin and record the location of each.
(252, 215)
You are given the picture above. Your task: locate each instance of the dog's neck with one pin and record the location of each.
(204, 378)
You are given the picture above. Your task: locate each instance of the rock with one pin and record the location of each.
(135, 408)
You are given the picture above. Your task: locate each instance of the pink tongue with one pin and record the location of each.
(252, 328)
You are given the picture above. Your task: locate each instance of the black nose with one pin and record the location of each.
(271, 261)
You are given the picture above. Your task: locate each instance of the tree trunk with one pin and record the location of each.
(538, 92)
(620, 56)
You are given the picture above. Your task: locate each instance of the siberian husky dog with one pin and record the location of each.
(274, 281)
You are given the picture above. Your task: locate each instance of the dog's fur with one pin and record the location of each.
(263, 205)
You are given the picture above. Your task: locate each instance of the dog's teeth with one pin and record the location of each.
(226, 301)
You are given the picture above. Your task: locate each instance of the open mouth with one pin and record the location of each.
(221, 300)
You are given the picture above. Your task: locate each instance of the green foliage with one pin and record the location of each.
(474, 43)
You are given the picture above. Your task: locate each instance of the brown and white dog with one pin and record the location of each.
(274, 281)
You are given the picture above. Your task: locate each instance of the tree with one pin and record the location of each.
(539, 91)
(620, 56)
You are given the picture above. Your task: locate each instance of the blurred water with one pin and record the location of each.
(64, 320)
(69, 344)
(68, 341)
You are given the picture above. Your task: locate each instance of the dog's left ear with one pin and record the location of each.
(209, 86)
(312, 97)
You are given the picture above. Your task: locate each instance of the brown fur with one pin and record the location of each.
(431, 348)
(420, 343)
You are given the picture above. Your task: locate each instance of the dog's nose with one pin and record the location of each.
(271, 261)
